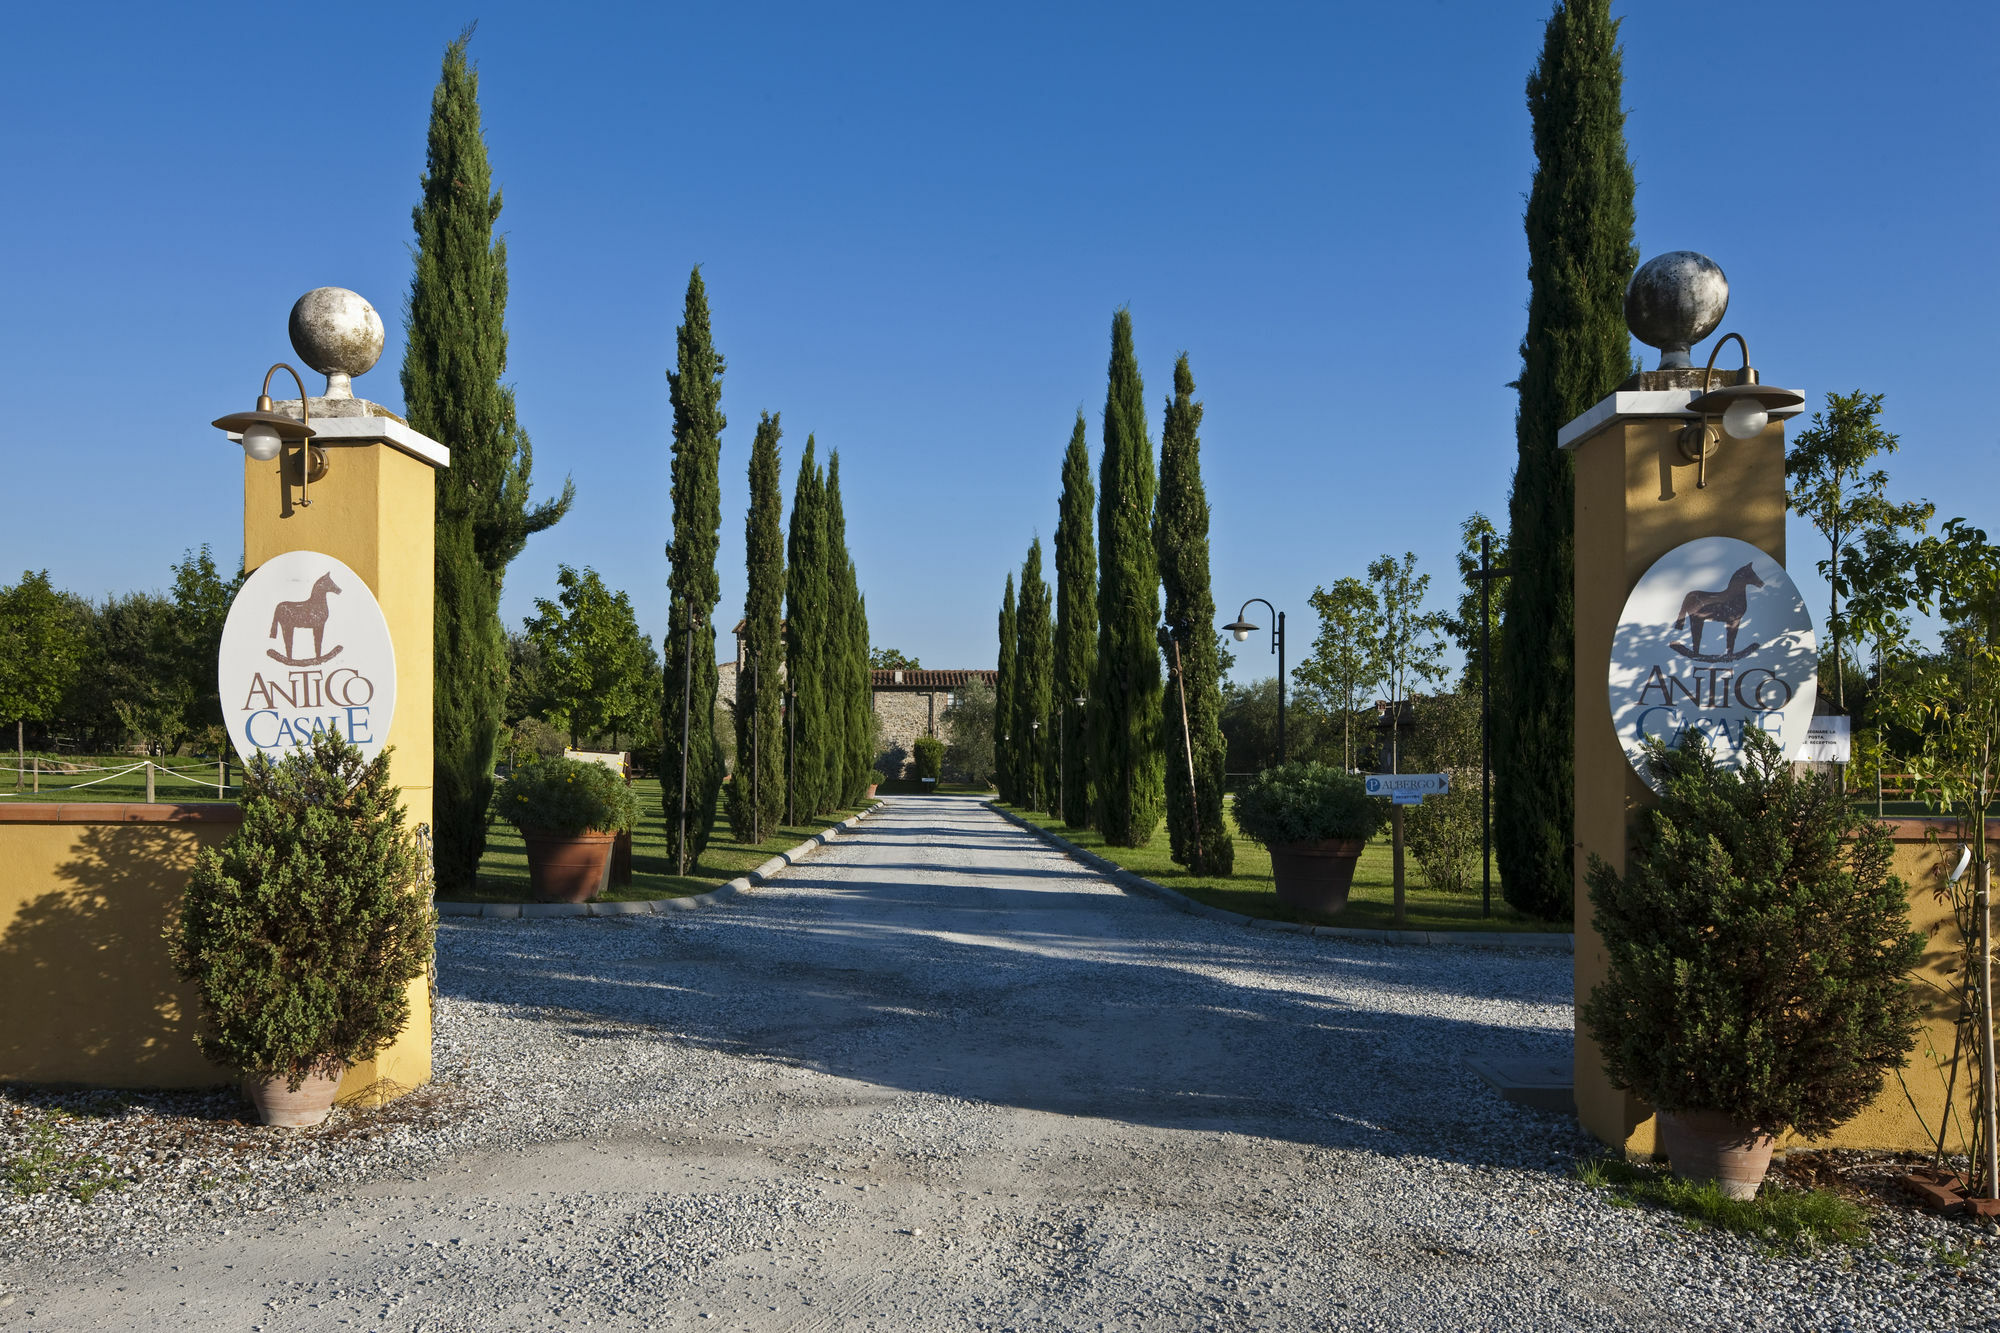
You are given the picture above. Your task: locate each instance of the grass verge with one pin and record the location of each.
(1797, 1219)
(503, 871)
(1249, 888)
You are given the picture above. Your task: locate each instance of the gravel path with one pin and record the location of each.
(940, 1077)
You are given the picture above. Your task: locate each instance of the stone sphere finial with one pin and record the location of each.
(1674, 301)
(337, 333)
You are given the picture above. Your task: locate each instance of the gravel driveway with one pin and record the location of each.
(940, 1077)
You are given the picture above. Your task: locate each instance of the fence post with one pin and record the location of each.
(149, 782)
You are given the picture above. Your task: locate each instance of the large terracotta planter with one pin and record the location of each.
(1706, 1145)
(871, 790)
(1315, 876)
(278, 1105)
(567, 869)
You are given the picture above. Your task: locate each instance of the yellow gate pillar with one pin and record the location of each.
(370, 501)
(1639, 494)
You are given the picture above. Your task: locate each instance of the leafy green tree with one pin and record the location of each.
(968, 727)
(1006, 769)
(592, 656)
(760, 691)
(454, 358)
(1464, 626)
(694, 585)
(1076, 627)
(891, 659)
(808, 608)
(1344, 667)
(1834, 490)
(40, 650)
(1180, 539)
(1580, 254)
(1034, 677)
(1443, 832)
(1125, 696)
(1408, 639)
(201, 605)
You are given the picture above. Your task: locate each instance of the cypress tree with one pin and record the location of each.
(1034, 681)
(1195, 826)
(1580, 254)
(806, 620)
(849, 713)
(760, 691)
(1003, 701)
(455, 355)
(1076, 626)
(693, 584)
(1125, 700)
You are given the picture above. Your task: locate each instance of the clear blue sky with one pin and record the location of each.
(915, 223)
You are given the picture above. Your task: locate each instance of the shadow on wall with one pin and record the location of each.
(893, 762)
(85, 984)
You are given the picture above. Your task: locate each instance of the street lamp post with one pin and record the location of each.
(1486, 573)
(1243, 629)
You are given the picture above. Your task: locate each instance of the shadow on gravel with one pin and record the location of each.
(1036, 986)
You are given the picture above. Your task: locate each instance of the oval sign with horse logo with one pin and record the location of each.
(1715, 638)
(306, 649)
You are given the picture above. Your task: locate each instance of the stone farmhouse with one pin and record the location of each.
(909, 703)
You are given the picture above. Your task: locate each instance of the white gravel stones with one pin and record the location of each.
(940, 1077)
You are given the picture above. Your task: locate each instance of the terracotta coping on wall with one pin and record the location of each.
(1918, 828)
(116, 812)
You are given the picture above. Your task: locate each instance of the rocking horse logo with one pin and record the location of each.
(1726, 607)
(310, 614)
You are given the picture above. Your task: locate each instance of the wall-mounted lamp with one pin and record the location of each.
(1740, 410)
(266, 432)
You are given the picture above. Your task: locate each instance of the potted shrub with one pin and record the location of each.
(570, 814)
(1757, 951)
(929, 752)
(302, 931)
(1315, 820)
(876, 777)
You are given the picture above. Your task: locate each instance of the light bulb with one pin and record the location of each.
(1745, 419)
(1241, 635)
(262, 442)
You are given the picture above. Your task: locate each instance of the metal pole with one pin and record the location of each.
(1187, 746)
(756, 734)
(687, 711)
(1991, 1129)
(791, 750)
(1485, 725)
(1279, 636)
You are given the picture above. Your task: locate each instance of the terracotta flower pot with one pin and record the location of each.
(871, 790)
(567, 869)
(278, 1105)
(1315, 876)
(1707, 1145)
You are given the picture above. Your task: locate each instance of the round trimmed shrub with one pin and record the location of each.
(1307, 801)
(565, 797)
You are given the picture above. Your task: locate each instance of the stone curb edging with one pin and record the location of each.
(1146, 888)
(715, 897)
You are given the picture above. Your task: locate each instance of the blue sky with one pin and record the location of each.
(915, 223)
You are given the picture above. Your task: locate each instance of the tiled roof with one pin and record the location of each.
(890, 679)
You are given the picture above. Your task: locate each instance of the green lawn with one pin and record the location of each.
(503, 871)
(189, 780)
(1370, 903)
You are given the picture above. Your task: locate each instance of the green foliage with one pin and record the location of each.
(694, 586)
(808, 619)
(454, 359)
(1305, 801)
(1005, 774)
(968, 728)
(1342, 671)
(47, 1163)
(1034, 667)
(1831, 488)
(1196, 829)
(1464, 627)
(302, 932)
(595, 667)
(1408, 640)
(1442, 833)
(853, 750)
(759, 713)
(1801, 1220)
(929, 753)
(40, 649)
(891, 659)
(1076, 627)
(1757, 947)
(1125, 694)
(1580, 255)
(565, 797)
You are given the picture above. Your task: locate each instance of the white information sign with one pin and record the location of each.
(1829, 740)
(306, 649)
(1714, 638)
(1407, 788)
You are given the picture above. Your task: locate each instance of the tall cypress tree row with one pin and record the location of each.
(455, 355)
(1125, 700)
(1580, 256)
(1034, 680)
(1195, 826)
(693, 584)
(1076, 626)
(806, 623)
(849, 713)
(759, 685)
(1003, 701)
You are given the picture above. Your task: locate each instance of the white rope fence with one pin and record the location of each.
(34, 773)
